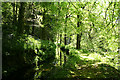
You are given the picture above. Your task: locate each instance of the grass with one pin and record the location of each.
(80, 65)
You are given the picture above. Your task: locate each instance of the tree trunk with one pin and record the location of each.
(78, 35)
(90, 38)
(119, 41)
(60, 51)
(78, 41)
(33, 27)
(60, 36)
(65, 41)
(57, 43)
(43, 29)
(20, 28)
(13, 4)
(27, 27)
(65, 44)
(16, 12)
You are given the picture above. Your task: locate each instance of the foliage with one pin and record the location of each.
(37, 35)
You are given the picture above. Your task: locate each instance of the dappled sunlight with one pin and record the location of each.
(60, 40)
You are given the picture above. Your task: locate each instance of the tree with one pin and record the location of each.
(78, 35)
(20, 28)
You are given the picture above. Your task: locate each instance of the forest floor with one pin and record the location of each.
(81, 66)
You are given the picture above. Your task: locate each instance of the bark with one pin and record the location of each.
(13, 13)
(65, 41)
(43, 29)
(16, 13)
(78, 35)
(60, 37)
(57, 43)
(90, 37)
(65, 52)
(20, 28)
(33, 27)
(60, 51)
(119, 31)
(28, 22)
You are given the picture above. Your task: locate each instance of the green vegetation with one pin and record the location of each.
(60, 40)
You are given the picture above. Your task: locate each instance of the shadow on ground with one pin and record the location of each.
(77, 68)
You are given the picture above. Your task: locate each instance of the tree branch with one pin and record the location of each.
(107, 9)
